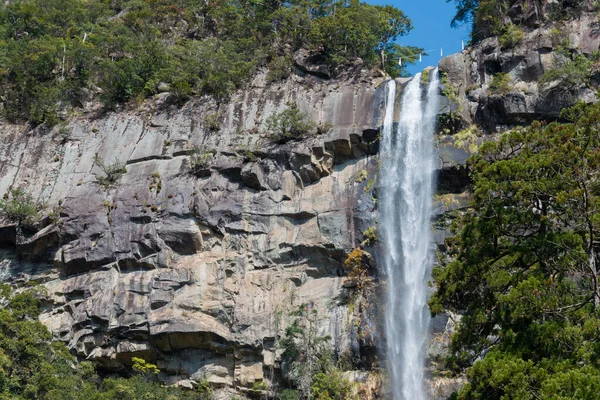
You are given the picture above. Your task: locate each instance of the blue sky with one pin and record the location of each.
(432, 31)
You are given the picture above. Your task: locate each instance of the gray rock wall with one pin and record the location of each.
(197, 273)
(471, 72)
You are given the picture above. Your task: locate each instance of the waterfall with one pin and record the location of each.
(406, 193)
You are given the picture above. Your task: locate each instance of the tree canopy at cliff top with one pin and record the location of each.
(59, 53)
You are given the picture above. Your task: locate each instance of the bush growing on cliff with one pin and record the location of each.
(200, 158)
(304, 352)
(289, 124)
(370, 236)
(500, 84)
(332, 385)
(357, 267)
(307, 361)
(112, 172)
(570, 73)
(511, 36)
(19, 206)
(32, 366)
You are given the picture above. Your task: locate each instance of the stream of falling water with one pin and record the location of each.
(407, 188)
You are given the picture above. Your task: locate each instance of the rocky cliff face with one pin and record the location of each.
(198, 272)
(471, 72)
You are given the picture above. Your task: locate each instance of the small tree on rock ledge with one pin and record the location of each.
(290, 124)
(19, 207)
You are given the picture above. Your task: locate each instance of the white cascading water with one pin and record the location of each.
(406, 193)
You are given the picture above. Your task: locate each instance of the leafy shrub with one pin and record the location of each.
(211, 121)
(357, 267)
(519, 271)
(19, 206)
(304, 352)
(511, 36)
(143, 367)
(200, 158)
(500, 84)
(332, 385)
(289, 394)
(569, 73)
(112, 172)
(181, 90)
(258, 387)
(290, 124)
(450, 123)
(467, 139)
(565, 9)
(370, 236)
(559, 38)
(488, 17)
(361, 176)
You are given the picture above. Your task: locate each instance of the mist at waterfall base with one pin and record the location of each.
(407, 187)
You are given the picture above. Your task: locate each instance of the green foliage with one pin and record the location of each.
(490, 17)
(289, 394)
(570, 73)
(289, 124)
(450, 91)
(559, 38)
(409, 55)
(140, 388)
(467, 139)
(370, 236)
(32, 366)
(565, 9)
(258, 387)
(200, 158)
(19, 206)
(511, 36)
(211, 121)
(355, 30)
(280, 68)
(450, 123)
(501, 84)
(112, 172)
(143, 367)
(522, 269)
(332, 386)
(357, 266)
(56, 53)
(425, 77)
(305, 354)
(465, 11)
(361, 176)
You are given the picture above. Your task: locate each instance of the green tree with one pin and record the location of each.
(523, 270)
(408, 54)
(305, 354)
(465, 11)
(393, 24)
